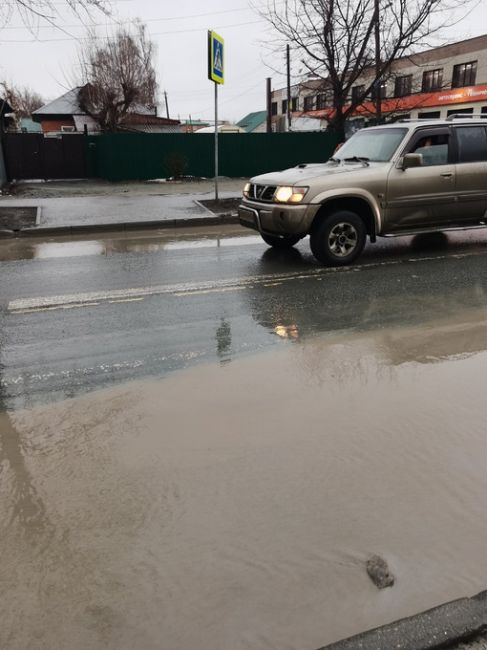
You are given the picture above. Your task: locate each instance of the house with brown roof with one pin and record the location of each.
(64, 115)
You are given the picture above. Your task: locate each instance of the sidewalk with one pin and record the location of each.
(85, 207)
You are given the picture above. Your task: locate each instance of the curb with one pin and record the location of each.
(41, 231)
(440, 627)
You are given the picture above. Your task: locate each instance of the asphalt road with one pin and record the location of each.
(81, 314)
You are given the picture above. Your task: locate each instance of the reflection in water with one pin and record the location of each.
(287, 331)
(23, 505)
(443, 311)
(224, 340)
(19, 249)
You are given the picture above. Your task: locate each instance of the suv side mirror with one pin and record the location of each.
(412, 160)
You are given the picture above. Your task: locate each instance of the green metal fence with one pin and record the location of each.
(143, 156)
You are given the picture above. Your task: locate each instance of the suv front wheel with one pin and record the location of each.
(338, 239)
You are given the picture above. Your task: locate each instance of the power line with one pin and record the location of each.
(74, 38)
(149, 20)
(231, 99)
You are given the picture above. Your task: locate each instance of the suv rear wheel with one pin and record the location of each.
(338, 239)
(287, 241)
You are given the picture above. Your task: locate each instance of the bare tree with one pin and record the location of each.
(117, 76)
(23, 101)
(33, 11)
(345, 42)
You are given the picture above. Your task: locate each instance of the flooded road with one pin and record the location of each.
(235, 505)
(202, 441)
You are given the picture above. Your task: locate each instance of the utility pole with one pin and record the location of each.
(288, 63)
(269, 105)
(167, 106)
(378, 84)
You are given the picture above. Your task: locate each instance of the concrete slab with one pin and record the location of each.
(441, 627)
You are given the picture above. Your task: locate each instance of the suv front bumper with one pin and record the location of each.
(277, 219)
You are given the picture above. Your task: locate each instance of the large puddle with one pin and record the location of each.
(234, 506)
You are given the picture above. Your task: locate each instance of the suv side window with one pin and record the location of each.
(472, 143)
(433, 146)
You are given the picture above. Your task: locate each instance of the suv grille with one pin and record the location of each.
(262, 192)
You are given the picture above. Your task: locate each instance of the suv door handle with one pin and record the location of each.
(447, 174)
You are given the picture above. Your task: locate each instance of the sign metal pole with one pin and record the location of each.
(216, 141)
(215, 74)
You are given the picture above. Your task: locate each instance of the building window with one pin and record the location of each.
(274, 108)
(429, 115)
(294, 104)
(284, 106)
(464, 74)
(309, 103)
(67, 129)
(321, 101)
(403, 86)
(459, 111)
(432, 80)
(357, 92)
(383, 90)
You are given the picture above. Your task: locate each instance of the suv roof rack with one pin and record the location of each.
(468, 116)
(420, 119)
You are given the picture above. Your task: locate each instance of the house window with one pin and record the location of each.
(321, 101)
(432, 80)
(274, 108)
(357, 92)
(67, 129)
(309, 103)
(294, 105)
(464, 74)
(383, 90)
(403, 86)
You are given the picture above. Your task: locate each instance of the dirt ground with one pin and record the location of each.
(94, 187)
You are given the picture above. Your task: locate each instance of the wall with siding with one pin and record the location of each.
(121, 157)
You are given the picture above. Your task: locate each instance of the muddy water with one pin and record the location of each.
(235, 506)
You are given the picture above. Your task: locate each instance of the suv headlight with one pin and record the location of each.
(287, 194)
(246, 190)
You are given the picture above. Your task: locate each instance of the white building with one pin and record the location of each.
(431, 84)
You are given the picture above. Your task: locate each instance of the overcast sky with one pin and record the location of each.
(180, 31)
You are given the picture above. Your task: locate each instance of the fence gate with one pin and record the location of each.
(32, 156)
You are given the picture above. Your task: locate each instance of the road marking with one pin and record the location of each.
(31, 310)
(200, 292)
(143, 292)
(95, 298)
(122, 300)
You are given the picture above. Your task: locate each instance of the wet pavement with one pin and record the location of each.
(79, 315)
(203, 440)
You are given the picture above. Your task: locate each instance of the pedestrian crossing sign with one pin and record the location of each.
(215, 58)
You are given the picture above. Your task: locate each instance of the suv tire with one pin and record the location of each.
(287, 241)
(338, 239)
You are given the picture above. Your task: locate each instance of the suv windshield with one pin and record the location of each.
(377, 145)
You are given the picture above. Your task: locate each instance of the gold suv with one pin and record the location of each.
(398, 179)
